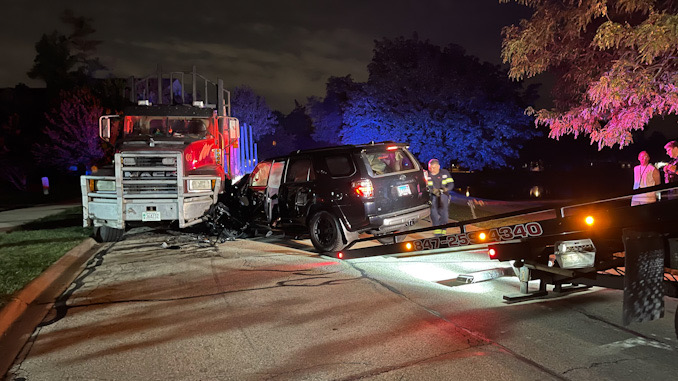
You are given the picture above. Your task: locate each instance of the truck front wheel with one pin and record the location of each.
(325, 232)
(108, 234)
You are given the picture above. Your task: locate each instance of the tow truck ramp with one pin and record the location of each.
(605, 243)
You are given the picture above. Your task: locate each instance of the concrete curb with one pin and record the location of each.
(15, 327)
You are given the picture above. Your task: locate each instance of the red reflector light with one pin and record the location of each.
(340, 255)
(492, 253)
(363, 188)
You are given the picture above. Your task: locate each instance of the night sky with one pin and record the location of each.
(285, 50)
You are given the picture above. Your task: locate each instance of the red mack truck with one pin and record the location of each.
(174, 154)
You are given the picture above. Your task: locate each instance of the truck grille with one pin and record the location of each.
(149, 162)
(146, 175)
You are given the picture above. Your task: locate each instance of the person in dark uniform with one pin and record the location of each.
(671, 169)
(440, 183)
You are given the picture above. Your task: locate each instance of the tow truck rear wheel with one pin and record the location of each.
(108, 234)
(325, 232)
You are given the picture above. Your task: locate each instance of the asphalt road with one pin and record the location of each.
(170, 306)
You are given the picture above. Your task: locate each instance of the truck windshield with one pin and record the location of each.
(168, 127)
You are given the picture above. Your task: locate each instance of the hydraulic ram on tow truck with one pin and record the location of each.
(604, 243)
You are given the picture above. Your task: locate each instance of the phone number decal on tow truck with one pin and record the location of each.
(504, 233)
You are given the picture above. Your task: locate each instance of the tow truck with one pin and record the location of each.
(605, 243)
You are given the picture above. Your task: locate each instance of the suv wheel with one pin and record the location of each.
(325, 232)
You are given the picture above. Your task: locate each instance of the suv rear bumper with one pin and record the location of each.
(400, 219)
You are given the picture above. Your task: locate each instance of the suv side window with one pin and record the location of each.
(339, 165)
(299, 170)
(276, 174)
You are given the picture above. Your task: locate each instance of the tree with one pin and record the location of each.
(327, 113)
(252, 110)
(446, 104)
(13, 161)
(299, 126)
(616, 64)
(72, 133)
(66, 61)
(21, 118)
(280, 143)
(53, 61)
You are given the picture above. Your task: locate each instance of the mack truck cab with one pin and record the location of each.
(171, 162)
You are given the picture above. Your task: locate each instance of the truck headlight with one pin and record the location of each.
(104, 185)
(199, 185)
(128, 161)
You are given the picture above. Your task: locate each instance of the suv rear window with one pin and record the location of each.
(387, 161)
(339, 165)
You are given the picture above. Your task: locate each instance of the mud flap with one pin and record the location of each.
(348, 235)
(643, 281)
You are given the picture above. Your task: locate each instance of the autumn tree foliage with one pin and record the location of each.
(71, 137)
(615, 62)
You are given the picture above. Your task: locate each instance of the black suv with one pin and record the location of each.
(336, 193)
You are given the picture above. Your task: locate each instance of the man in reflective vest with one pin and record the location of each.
(440, 183)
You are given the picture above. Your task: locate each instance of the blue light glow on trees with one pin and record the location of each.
(444, 103)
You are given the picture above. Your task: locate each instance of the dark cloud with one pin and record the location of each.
(285, 50)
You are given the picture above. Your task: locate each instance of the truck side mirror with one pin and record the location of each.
(105, 129)
(234, 131)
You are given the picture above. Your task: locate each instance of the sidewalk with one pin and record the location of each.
(27, 307)
(10, 219)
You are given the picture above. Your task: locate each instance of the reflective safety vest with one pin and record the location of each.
(441, 180)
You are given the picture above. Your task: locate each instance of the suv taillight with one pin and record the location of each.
(363, 188)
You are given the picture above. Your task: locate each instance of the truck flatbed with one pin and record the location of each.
(605, 243)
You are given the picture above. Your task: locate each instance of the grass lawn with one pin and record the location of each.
(27, 251)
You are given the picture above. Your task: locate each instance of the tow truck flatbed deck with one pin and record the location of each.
(604, 243)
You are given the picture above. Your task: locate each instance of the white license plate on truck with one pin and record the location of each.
(150, 216)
